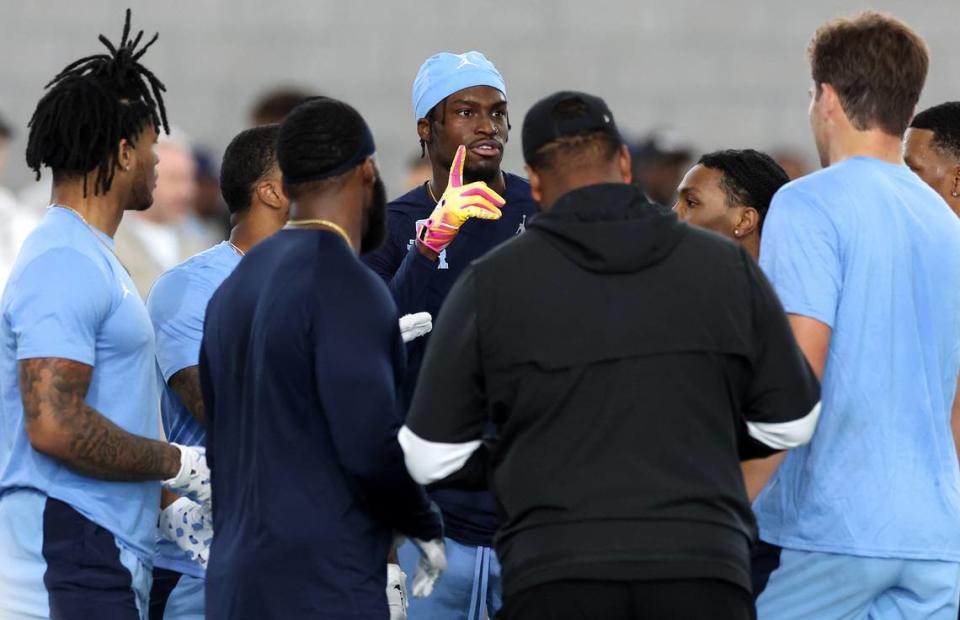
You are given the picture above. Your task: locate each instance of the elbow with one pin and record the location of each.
(429, 461)
(786, 435)
(47, 438)
(417, 466)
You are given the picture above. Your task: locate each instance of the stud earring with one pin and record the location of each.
(736, 232)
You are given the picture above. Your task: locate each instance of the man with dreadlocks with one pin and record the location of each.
(80, 460)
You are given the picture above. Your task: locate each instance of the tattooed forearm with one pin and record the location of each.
(62, 425)
(186, 385)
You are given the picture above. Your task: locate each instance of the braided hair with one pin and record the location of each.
(90, 106)
(750, 178)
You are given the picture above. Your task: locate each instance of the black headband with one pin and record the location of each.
(365, 150)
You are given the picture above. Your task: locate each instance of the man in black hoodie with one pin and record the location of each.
(628, 362)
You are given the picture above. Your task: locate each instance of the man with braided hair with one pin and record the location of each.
(80, 461)
(729, 192)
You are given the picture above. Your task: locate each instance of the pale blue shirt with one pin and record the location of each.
(177, 304)
(867, 248)
(69, 297)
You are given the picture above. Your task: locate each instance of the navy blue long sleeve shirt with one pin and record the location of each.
(300, 364)
(419, 284)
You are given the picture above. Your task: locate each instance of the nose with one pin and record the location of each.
(487, 126)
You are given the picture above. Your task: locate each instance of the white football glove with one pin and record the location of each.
(433, 561)
(189, 526)
(412, 326)
(193, 479)
(397, 592)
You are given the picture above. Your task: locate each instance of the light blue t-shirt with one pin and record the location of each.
(69, 297)
(177, 304)
(869, 249)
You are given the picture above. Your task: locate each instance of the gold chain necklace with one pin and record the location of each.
(94, 232)
(318, 222)
(236, 249)
(430, 189)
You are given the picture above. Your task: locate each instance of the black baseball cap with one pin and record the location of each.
(544, 123)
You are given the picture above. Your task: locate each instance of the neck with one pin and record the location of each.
(102, 211)
(954, 204)
(563, 181)
(340, 207)
(871, 143)
(441, 175)
(253, 226)
(752, 245)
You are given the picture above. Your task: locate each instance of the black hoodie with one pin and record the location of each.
(619, 353)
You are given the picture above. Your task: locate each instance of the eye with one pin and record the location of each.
(465, 113)
(691, 203)
(499, 114)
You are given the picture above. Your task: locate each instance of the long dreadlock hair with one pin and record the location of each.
(94, 103)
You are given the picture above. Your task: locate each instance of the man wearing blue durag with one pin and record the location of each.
(434, 232)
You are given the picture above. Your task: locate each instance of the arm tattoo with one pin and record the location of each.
(186, 385)
(57, 418)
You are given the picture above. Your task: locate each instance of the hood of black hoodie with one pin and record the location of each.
(610, 228)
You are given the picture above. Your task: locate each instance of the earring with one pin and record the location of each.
(736, 232)
(954, 193)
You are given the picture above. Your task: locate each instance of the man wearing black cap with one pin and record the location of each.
(299, 365)
(621, 407)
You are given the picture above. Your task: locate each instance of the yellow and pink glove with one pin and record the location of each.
(458, 204)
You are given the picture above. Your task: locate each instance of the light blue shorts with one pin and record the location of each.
(468, 590)
(828, 586)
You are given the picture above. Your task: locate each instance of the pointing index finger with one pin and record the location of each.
(456, 169)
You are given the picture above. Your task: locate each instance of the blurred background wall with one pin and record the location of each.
(722, 73)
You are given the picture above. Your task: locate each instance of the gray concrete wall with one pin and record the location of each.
(728, 73)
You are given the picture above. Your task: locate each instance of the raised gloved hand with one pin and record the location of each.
(412, 326)
(458, 204)
(433, 561)
(193, 479)
(189, 526)
(396, 592)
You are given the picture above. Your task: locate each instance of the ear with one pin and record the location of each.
(368, 171)
(749, 221)
(626, 165)
(829, 100)
(271, 194)
(424, 131)
(536, 190)
(125, 154)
